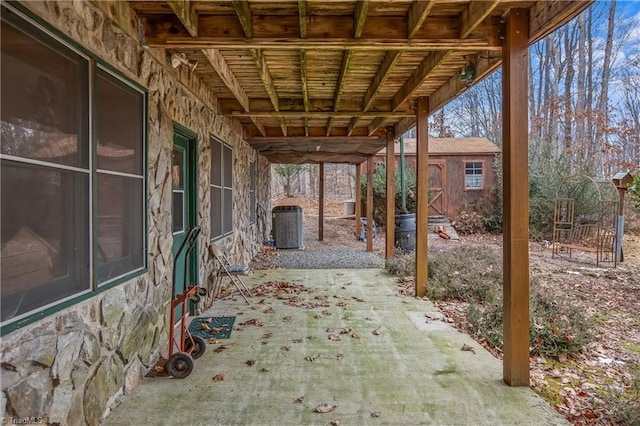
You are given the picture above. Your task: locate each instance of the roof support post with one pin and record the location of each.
(515, 59)
(422, 197)
(321, 202)
(390, 195)
(370, 204)
(358, 200)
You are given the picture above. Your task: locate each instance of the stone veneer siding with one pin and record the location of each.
(72, 366)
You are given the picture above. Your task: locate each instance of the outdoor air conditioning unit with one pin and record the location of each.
(287, 228)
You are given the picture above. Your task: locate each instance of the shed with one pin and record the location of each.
(462, 172)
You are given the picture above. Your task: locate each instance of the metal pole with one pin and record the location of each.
(403, 177)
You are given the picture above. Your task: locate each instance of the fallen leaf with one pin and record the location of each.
(157, 368)
(468, 348)
(204, 326)
(325, 408)
(264, 370)
(339, 356)
(284, 348)
(287, 319)
(267, 335)
(355, 335)
(334, 337)
(223, 347)
(345, 330)
(218, 377)
(335, 422)
(562, 357)
(376, 331)
(212, 341)
(376, 414)
(251, 362)
(311, 358)
(256, 322)
(297, 340)
(326, 313)
(298, 400)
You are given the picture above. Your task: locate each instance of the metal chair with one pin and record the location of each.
(232, 271)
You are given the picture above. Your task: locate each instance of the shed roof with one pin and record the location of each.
(325, 80)
(451, 146)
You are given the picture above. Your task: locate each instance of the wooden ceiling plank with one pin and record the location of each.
(426, 67)
(474, 14)
(186, 14)
(417, 14)
(244, 16)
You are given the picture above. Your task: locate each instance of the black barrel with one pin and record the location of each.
(406, 232)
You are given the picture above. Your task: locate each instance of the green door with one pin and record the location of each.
(183, 173)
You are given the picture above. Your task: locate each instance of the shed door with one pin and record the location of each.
(437, 182)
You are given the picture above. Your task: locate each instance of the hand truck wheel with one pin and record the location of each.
(195, 347)
(180, 365)
(202, 291)
(195, 298)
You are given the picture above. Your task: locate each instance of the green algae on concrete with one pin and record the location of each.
(402, 365)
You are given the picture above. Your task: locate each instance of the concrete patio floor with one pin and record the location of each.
(412, 372)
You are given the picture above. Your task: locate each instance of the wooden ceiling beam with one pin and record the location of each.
(362, 8)
(363, 44)
(546, 17)
(485, 63)
(474, 14)
(382, 74)
(314, 132)
(185, 12)
(219, 64)
(417, 14)
(318, 105)
(316, 114)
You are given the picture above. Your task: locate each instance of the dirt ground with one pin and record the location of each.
(586, 388)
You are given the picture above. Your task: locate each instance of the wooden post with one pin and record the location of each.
(370, 204)
(321, 202)
(515, 62)
(358, 200)
(390, 231)
(422, 197)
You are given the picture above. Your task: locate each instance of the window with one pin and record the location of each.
(252, 192)
(221, 189)
(72, 207)
(473, 175)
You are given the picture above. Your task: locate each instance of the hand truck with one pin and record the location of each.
(186, 348)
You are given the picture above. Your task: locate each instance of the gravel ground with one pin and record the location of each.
(327, 258)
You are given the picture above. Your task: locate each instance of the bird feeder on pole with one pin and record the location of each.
(622, 182)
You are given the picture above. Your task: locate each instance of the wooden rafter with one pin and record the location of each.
(474, 14)
(221, 67)
(244, 16)
(362, 7)
(186, 14)
(302, 17)
(320, 114)
(417, 14)
(426, 67)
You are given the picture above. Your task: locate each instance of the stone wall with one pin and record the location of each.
(72, 366)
